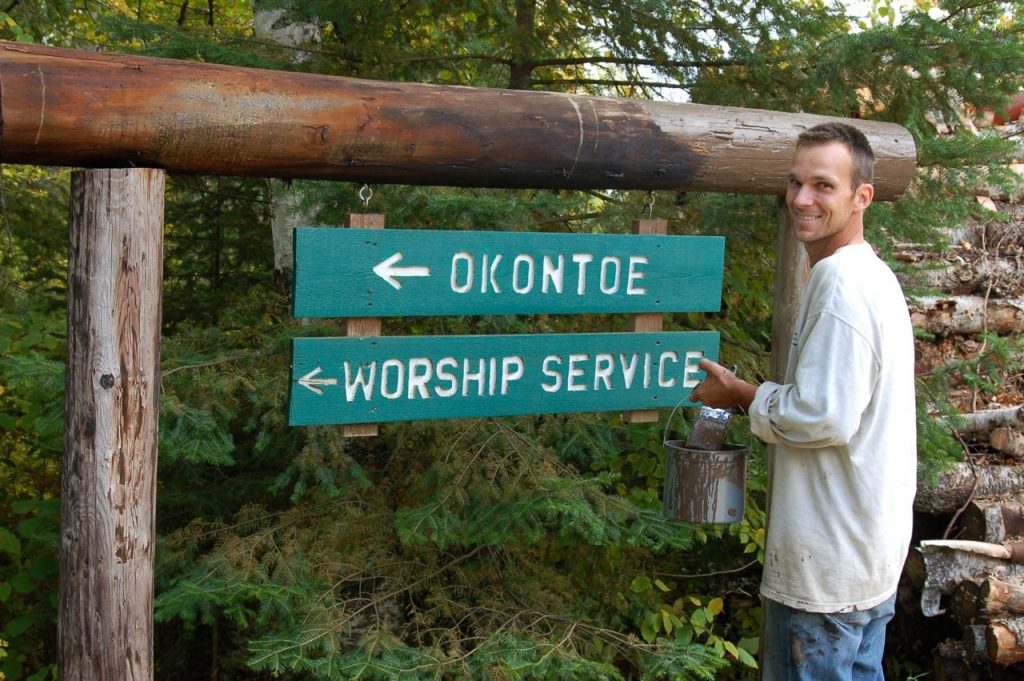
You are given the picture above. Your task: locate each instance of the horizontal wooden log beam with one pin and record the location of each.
(79, 108)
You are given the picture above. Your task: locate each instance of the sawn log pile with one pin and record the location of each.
(962, 597)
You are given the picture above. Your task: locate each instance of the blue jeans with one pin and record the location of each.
(814, 646)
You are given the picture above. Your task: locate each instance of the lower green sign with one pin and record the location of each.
(379, 379)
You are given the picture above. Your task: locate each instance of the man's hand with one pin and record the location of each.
(721, 389)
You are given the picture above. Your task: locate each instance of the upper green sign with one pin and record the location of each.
(390, 272)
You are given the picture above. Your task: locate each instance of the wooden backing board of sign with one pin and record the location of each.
(647, 321)
(363, 327)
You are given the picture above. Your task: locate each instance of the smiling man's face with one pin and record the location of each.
(827, 211)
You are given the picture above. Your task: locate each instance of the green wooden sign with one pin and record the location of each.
(385, 272)
(379, 379)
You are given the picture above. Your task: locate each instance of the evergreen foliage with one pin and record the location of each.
(520, 548)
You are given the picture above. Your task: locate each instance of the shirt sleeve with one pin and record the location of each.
(834, 378)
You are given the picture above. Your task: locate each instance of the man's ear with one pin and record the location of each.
(863, 196)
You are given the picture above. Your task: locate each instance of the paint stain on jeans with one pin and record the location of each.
(804, 644)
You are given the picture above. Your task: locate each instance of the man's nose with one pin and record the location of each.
(802, 196)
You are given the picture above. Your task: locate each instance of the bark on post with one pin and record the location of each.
(791, 274)
(108, 489)
(74, 107)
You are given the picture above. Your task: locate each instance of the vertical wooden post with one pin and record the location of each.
(790, 279)
(791, 273)
(362, 327)
(108, 488)
(647, 321)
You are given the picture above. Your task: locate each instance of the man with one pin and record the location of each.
(843, 426)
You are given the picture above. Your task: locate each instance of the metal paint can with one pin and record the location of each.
(704, 486)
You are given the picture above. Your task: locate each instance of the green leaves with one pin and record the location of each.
(10, 26)
(28, 587)
(10, 544)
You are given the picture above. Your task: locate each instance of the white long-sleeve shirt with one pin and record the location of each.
(843, 425)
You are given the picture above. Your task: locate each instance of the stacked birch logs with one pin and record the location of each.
(971, 587)
(979, 585)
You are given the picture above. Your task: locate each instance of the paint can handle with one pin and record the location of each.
(668, 421)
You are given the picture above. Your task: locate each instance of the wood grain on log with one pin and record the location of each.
(75, 107)
(987, 420)
(1008, 441)
(954, 487)
(968, 277)
(937, 567)
(1005, 641)
(997, 597)
(992, 520)
(968, 315)
(982, 598)
(108, 485)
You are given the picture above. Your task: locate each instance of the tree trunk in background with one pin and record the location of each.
(108, 485)
(522, 62)
(288, 212)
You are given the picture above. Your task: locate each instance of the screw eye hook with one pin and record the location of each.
(365, 194)
(649, 204)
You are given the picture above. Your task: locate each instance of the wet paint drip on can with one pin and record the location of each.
(704, 486)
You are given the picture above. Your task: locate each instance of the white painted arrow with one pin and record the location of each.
(389, 271)
(312, 383)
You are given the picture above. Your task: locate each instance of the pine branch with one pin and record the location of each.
(703, 575)
(636, 61)
(221, 360)
(966, 7)
(609, 83)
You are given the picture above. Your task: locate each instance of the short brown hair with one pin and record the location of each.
(855, 141)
